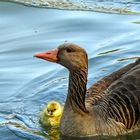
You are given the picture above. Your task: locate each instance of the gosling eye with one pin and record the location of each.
(54, 109)
(69, 50)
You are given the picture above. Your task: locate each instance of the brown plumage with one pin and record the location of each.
(110, 107)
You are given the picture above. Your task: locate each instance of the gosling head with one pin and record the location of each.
(69, 55)
(53, 109)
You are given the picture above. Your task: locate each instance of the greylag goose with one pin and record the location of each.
(110, 107)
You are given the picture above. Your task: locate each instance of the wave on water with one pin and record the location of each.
(106, 6)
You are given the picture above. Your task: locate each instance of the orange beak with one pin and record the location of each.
(49, 55)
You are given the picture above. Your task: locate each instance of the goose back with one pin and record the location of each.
(117, 96)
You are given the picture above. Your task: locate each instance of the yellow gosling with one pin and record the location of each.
(51, 114)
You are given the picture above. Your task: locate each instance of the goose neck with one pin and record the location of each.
(77, 90)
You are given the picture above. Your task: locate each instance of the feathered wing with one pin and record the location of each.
(117, 96)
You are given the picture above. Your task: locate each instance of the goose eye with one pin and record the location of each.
(68, 50)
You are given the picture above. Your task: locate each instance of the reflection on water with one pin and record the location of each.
(136, 22)
(130, 58)
(110, 51)
(27, 84)
(111, 6)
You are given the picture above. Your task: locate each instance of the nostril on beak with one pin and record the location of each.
(48, 53)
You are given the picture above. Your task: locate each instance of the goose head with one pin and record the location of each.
(69, 55)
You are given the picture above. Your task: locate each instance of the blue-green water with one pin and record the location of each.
(27, 83)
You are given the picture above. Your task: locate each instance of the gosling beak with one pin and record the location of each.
(50, 113)
(49, 55)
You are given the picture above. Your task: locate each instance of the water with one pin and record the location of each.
(27, 83)
(112, 6)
